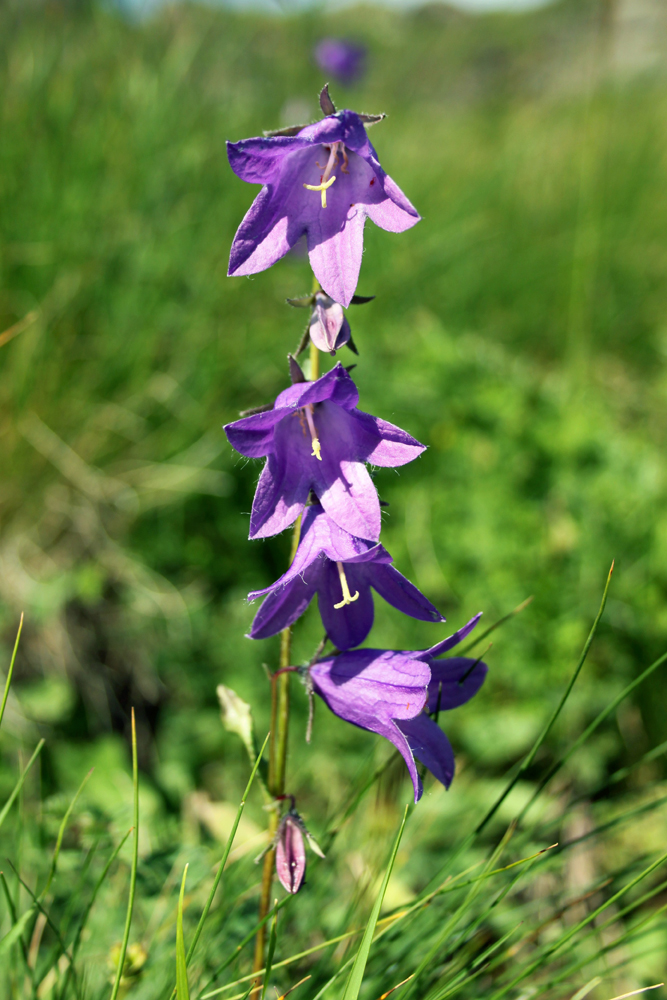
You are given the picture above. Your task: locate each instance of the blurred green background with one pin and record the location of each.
(520, 331)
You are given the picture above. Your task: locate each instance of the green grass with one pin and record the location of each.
(518, 330)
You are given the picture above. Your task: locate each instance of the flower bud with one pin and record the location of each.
(290, 853)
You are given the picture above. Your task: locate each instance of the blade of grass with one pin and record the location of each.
(225, 856)
(359, 967)
(19, 784)
(271, 950)
(61, 834)
(135, 863)
(182, 991)
(13, 917)
(10, 671)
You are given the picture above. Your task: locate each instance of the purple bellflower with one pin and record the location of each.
(323, 180)
(394, 694)
(341, 569)
(316, 439)
(291, 851)
(342, 59)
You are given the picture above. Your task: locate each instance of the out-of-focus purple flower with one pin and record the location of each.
(341, 569)
(390, 692)
(322, 179)
(291, 851)
(341, 58)
(316, 439)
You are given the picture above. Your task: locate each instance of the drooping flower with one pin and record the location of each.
(341, 569)
(323, 180)
(340, 58)
(291, 851)
(394, 693)
(316, 439)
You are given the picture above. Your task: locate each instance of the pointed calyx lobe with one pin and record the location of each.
(316, 439)
(341, 570)
(394, 693)
(324, 181)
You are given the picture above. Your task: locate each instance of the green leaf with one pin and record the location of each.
(359, 967)
(182, 991)
(19, 784)
(12, 936)
(10, 672)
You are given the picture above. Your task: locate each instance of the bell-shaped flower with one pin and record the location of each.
(394, 693)
(323, 180)
(316, 439)
(341, 569)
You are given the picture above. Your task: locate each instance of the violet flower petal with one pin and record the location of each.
(401, 594)
(430, 745)
(284, 605)
(454, 681)
(385, 444)
(372, 688)
(347, 626)
(452, 640)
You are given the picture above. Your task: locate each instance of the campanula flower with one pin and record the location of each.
(341, 569)
(323, 180)
(316, 439)
(291, 851)
(394, 693)
(342, 59)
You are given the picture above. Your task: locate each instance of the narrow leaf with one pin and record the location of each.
(10, 671)
(359, 967)
(19, 784)
(12, 936)
(182, 991)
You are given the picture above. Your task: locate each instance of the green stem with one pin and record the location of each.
(280, 704)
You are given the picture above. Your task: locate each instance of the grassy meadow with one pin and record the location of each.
(520, 331)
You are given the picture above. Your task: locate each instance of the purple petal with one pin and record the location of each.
(265, 235)
(371, 688)
(430, 745)
(336, 386)
(284, 605)
(394, 213)
(401, 594)
(343, 485)
(460, 677)
(347, 626)
(452, 640)
(253, 436)
(385, 444)
(283, 486)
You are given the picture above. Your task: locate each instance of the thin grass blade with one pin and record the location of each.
(182, 991)
(19, 784)
(10, 671)
(357, 974)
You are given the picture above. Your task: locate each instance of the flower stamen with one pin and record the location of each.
(315, 441)
(325, 180)
(347, 597)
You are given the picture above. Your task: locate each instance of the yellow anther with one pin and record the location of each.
(314, 440)
(322, 188)
(347, 596)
